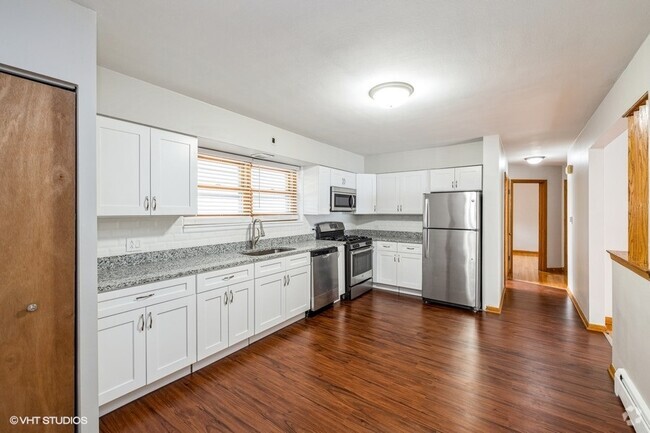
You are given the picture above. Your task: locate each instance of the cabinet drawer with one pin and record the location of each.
(223, 277)
(119, 301)
(409, 248)
(386, 246)
(269, 267)
(297, 261)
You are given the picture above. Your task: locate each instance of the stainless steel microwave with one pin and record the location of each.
(343, 199)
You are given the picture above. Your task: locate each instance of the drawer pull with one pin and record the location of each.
(140, 298)
(410, 248)
(229, 277)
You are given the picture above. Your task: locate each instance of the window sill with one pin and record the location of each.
(199, 224)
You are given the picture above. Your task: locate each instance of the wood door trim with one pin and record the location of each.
(565, 240)
(638, 194)
(542, 219)
(641, 101)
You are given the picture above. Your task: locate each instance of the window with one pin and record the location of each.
(231, 187)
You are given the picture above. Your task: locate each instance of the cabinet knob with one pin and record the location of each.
(32, 308)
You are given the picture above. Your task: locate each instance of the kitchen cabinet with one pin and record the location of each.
(342, 179)
(401, 193)
(366, 194)
(144, 334)
(457, 179)
(398, 264)
(225, 310)
(316, 182)
(282, 290)
(144, 171)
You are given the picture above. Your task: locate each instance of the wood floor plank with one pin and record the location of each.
(388, 363)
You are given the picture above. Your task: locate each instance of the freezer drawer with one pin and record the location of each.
(452, 210)
(451, 267)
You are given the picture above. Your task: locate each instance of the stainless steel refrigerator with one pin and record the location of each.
(451, 248)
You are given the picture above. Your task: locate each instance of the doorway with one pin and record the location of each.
(527, 233)
(38, 258)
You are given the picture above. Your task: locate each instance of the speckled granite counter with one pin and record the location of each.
(389, 236)
(119, 272)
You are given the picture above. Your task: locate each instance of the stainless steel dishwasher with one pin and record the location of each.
(324, 277)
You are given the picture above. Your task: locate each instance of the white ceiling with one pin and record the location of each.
(533, 71)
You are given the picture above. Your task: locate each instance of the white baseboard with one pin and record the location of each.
(219, 355)
(635, 407)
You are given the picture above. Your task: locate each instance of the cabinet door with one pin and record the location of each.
(387, 194)
(122, 168)
(297, 291)
(341, 264)
(386, 268)
(171, 337)
(366, 193)
(469, 178)
(412, 186)
(173, 173)
(441, 179)
(121, 354)
(343, 179)
(269, 301)
(409, 271)
(241, 311)
(211, 322)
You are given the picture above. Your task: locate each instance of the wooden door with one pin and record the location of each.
(123, 166)
(241, 312)
(171, 337)
(507, 188)
(121, 345)
(173, 173)
(37, 253)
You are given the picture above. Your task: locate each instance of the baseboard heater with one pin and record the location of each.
(636, 411)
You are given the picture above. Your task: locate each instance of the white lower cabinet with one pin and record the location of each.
(121, 354)
(398, 264)
(145, 339)
(296, 291)
(269, 301)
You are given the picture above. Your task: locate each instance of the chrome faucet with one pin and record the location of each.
(255, 237)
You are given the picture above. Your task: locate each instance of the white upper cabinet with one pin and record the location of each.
(144, 171)
(342, 179)
(316, 190)
(173, 173)
(457, 179)
(401, 193)
(366, 194)
(123, 167)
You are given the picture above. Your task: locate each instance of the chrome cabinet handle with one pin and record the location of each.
(232, 297)
(397, 208)
(150, 321)
(32, 308)
(141, 323)
(228, 278)
(225, 299)
(288, 279)
(153, 203)
(394, 258)
(140, 298)
(146, 203)
(410, 248)
(284, 280)
(399, 259)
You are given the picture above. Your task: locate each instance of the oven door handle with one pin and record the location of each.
(362, 250)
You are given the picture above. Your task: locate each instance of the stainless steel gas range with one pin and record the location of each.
(358, 257)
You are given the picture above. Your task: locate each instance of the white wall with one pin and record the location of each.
(525, 217)
(615, 212)
(633, 82)
(555, 206)
(596, 184)
(470, 153)
(131, 99)
(631, 345)
(57, 38)
(494, 167)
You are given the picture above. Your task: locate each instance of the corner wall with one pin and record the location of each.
(57, 38)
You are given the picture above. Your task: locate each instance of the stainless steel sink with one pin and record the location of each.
(267, 251)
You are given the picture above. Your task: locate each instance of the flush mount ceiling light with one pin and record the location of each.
(534, 159)
(391, 95)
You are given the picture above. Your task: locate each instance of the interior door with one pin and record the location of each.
(37, 253)
(173, 173)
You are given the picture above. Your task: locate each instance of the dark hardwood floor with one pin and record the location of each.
(388, 363)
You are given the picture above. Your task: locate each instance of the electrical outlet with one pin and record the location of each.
(133, 245)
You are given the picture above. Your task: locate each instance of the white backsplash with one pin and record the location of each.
(163, 233)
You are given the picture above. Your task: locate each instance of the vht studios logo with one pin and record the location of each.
(48, 420)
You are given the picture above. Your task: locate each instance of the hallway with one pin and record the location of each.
(524, 268)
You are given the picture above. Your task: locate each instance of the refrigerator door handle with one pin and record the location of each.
(426, 212)
(425, 242)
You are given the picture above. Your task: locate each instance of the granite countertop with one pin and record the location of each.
(390, 236)
(120, 272)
